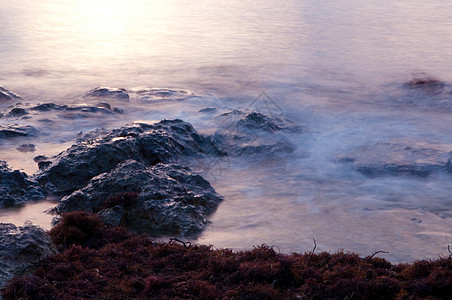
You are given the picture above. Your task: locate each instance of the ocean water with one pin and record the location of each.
(339, 69)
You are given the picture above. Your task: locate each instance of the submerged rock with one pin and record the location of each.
(6, 95)
(426, 83)
(15, 130)
(20, 248)
(26, 148)
(106, 92)
(208, 110)
(400, 157)
(170, 200)
(16, 112)
(249, 133)
(244, 120)
(16, 187)
(156, 94)
(166, 141)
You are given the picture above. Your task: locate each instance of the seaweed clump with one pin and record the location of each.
(85, 229)
(134, 266)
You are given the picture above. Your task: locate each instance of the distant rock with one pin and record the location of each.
(26, 148)
(106, 92)
(20, 248)
(208, 110)
(166, 141)
(171, 200)
(16, 187)
(400, 157)
(6, 95)
(156, 94)
(15, 130)
(426, 83)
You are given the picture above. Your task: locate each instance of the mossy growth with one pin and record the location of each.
(97, 264)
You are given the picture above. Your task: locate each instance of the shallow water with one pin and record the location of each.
(336, 68)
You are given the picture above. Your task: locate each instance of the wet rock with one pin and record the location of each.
(40, 158)
(16, 187)
(249, 133)
(16, 112)
(26, 148)
(104, 105)
(208, 110)
(244, 120)
(20, 248)
(6, 95)
(165, 141)
(118, 110)
(64, 111)
(15, 130)
(400, 157)
(171, 200)
(426, 83)
(156, 94)
(106, 92)
(48, 107)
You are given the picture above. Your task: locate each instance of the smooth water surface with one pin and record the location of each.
(337, 68)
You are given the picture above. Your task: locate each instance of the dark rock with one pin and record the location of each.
(16, 187)
(106, 92)
(166, 141)
(244, 120)
(48, 107)
(15, 130)
(104, 105)
(40, 158)
(251, 133)
(426, 83)
(171, 200)
(16, 112)
(20, 248)
(208, 110)
(156, 94)
(26, 148)
(80, 111)
(6, 95)
(118, 110)
(400, 157)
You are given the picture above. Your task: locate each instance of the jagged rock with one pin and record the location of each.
(244, 120)
(15, 130)
(16, 187)
(155, 94)
(6, 95)
(20, 248)
(400, 157)
(249, 133)
(165, 141)
(171, 200)
(106, 92)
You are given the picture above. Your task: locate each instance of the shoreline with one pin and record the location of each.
(94, 261)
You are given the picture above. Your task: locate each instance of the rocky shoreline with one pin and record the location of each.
(140, 177)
